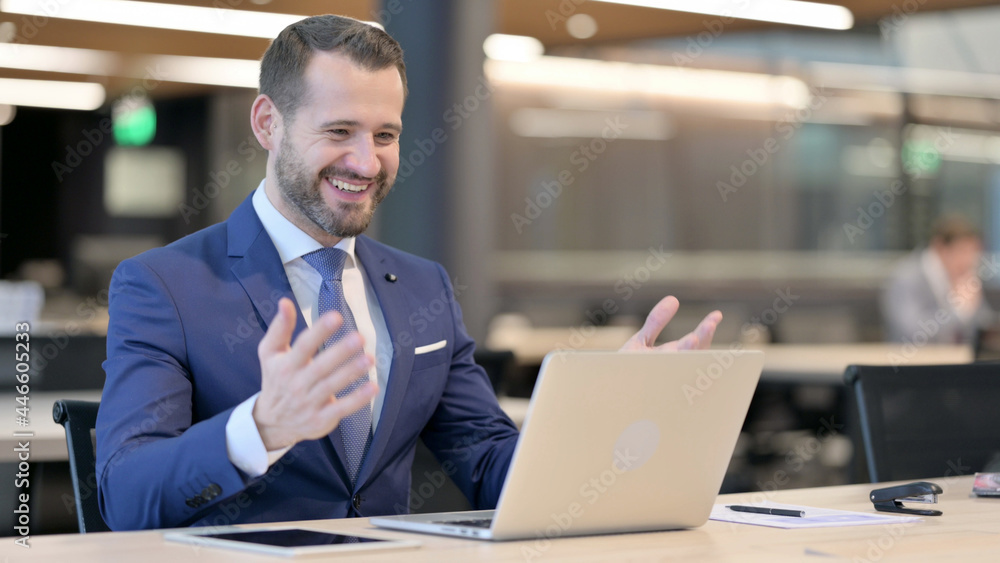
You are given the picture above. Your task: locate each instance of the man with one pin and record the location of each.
(229, 397)
(935, 295)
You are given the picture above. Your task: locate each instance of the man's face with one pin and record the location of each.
(961, 257)
(339, 156)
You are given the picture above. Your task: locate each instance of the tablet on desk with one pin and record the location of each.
(287, 541)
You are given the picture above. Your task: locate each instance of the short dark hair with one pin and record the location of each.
(282, 69)
(951, 228)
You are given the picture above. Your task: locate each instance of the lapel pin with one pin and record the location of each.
(391, 277)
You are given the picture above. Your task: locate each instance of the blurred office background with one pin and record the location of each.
(570, 162)
(759, 156)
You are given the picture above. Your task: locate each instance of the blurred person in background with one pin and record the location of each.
(935, 295)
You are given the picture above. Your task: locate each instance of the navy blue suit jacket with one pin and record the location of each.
(182, 353)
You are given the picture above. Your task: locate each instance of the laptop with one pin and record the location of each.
(615, 442)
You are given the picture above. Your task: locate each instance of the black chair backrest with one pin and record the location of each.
(986, 346)
(498, 365)
(59, 363)
(79, 419)
(927, 421)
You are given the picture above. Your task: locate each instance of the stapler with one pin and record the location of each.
(891, 499)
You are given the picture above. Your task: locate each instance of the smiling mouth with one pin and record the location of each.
(347, 186)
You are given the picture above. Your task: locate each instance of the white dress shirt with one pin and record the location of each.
(243, 442)
(937, 277)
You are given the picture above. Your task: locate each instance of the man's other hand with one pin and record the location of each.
(698, 339)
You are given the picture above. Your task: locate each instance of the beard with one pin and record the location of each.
(303, 192)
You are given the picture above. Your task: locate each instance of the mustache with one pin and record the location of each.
(379, 178)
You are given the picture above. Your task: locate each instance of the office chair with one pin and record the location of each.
(927, 421)
(498, 365)
(986, 346)
(69, 363)
(79, 419)
(431, 487)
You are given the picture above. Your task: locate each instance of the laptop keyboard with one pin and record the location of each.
(474, 523)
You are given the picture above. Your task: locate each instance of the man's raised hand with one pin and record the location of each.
(298, 386)
(698, 339)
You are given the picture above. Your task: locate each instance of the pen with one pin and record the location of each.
(764, 510)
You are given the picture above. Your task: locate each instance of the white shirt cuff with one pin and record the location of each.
(243, 443)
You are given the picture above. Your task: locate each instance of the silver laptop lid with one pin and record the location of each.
(625, 442)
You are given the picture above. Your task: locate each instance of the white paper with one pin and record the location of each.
(814, 517)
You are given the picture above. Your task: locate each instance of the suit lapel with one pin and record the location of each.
(394, 309)
(258, 267)
(259, 270)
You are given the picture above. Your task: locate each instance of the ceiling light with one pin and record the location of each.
(963, 145)
(519, 48)
(241, 73)
(7, 113)
(547, 123)
(632, 78)
(51, 94)
(59, 59)
(905, 79)
(793, 12)
(8, 30)
(151, 14)
(581, 26)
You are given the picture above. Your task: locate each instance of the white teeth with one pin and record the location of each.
(342, 185)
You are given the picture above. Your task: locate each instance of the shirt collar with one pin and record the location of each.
(291, 241)
(937, 276)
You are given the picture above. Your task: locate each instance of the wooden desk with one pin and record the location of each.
(969, 531)
(49, 440)
(825, 363)
(792, 363)
(530, 344)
